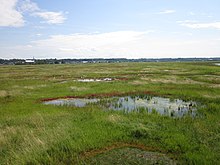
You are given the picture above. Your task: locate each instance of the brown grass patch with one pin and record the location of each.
(117, 145)
(75, 88)
(3, 93)
(114, 118)
(101, 95)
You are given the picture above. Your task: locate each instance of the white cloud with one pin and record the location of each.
(29, 46)
(38, 34)
(93, 45)
(51, 17)
(9, 16)
(191, 13)
(27, 6)
(202, 15)
(12, 13)
(48, 16)
(213, 25)
(167, 12)
(119, 44)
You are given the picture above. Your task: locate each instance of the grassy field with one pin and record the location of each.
(33, 133)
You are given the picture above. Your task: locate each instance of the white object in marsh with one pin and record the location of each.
(94, 80)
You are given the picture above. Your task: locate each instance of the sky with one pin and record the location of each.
(109, 29)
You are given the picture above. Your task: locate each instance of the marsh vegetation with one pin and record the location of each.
(35, 133)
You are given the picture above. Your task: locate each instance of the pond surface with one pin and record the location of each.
(164, 106)
(77, 102)
(147, 104)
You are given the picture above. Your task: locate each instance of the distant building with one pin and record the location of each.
(30, 61)
(84, 62)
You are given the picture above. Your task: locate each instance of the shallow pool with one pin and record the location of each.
(164, 106)
(142, 104)
(77, 102)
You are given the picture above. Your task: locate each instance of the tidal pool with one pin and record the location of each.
(77, 102)
(164, 106)
(147, 104)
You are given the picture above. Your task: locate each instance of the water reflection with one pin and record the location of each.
(77, 102)
(164, 106)
(142, 104)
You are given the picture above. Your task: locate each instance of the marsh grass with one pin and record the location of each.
(33, 133)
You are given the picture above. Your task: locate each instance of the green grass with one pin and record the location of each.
(33, 133)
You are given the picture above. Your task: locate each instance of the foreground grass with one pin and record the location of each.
(32, 133)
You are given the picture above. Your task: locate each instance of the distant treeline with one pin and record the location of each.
(97, 60)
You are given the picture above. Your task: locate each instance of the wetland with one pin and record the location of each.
(142, 103)
(151, 106)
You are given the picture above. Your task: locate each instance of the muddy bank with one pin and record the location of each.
(101, 95)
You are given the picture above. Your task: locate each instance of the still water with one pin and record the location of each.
(147, 104)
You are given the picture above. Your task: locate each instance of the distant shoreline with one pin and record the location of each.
(100, 60)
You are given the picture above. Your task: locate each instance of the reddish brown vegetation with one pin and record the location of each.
(100, 95)
(92, 153)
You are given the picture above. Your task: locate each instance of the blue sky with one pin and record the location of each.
(109, 28)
